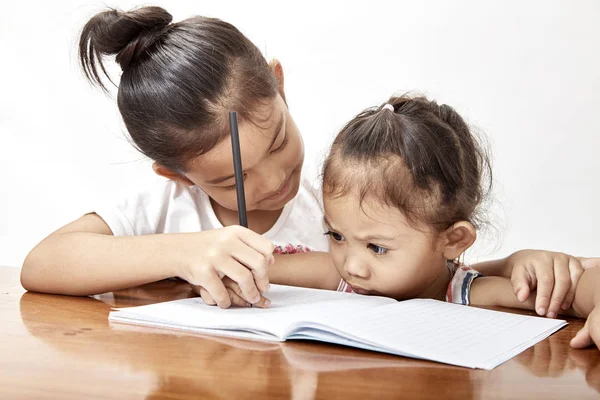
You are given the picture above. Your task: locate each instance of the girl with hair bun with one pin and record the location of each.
(178, 84)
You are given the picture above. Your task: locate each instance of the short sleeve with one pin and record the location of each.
(167, 207)
(459, 287)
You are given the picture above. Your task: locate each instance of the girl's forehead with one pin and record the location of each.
(354, 213)
(256, 138)
(371, 223)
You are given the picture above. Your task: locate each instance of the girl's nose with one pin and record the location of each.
(271, 178)
(355, 267)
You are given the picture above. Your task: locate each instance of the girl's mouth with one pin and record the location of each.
(281, 192)
(359, 290)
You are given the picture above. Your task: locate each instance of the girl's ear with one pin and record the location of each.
(278, 71)
(458, 238)
(169, 174)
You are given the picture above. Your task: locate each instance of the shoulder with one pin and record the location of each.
(165, 206)
(301, 224)
(307, 204)
(159, 196)
(310, 191)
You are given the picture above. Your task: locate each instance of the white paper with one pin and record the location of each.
(418, 328)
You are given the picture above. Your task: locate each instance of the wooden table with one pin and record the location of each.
(63, 347)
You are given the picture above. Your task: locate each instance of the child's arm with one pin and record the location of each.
(497, 291)
(84, 258)
(587, 304)
(554, 276)
(313, 269)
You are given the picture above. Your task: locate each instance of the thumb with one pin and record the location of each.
(582, 338)
(521, 284)
(587, 263)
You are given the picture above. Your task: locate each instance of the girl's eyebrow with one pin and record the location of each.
(366, 238)
(369, 238)
(278, 127)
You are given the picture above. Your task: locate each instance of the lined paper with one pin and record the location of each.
(418, 328)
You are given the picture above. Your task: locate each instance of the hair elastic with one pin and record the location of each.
(388, 107)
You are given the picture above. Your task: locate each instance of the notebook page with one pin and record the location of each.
(125, 324)
(445, 332)
(288, 305)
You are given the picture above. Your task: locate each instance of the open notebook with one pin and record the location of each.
(419, 328)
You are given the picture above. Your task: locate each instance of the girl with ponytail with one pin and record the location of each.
(179, 82)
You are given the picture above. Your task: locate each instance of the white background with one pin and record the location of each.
(524, 72)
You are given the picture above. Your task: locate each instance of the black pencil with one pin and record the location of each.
(237, 168)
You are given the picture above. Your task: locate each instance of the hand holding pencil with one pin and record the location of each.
(211, 261)
(239, 288)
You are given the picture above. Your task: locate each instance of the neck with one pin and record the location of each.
(259, 221)
(437, 290)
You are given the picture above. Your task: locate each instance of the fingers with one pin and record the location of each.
(206, 297)
(262, 303)
(257, 264)
(521, 283)
(256, 254)
(215, 287)
(236, 300)
(594, 327)
(234, 252)
(243, 277)
(554, 276)
(582, 338)
(545, 286)
(589, 334)
(235, 288)
(235, 296)
(258, 243)
(562, 284)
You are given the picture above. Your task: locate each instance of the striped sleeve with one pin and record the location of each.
(344, 287)
(459, 287)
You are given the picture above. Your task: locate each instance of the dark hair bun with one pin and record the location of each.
(128, 35)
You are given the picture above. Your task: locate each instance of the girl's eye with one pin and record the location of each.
(378, 250)
(281, 146)
(335, 236)
(232, 186)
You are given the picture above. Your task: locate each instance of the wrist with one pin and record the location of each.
(587, 294)
(165, 259)
(507, 266)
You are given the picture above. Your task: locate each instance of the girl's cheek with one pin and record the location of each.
(250, 195)
(337, 256)
(295, 150)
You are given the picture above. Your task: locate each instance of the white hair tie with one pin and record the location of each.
(388, 107)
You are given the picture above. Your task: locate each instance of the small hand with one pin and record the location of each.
(554, 275)
(590, 333)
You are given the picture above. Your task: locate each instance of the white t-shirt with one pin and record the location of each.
(172, 207)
